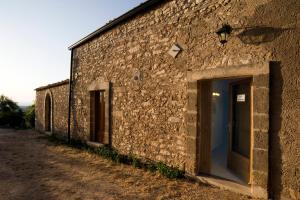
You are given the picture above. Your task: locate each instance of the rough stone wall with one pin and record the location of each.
(148, 114)
(59, 97)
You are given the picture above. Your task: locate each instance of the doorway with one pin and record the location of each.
(98, 116)
(226, 103)
(48, 113)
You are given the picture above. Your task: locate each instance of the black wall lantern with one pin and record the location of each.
(223, 33)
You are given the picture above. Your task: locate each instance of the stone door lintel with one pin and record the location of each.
(229, 72)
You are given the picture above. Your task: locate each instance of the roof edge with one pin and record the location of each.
(52, 85)
(138, 9)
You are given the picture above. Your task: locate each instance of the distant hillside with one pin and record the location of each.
(23, 108)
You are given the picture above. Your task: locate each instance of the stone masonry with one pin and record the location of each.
(58, 93)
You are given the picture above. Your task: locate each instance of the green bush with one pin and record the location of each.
(152, 167)
(169, 172)
(29, 116)
(109, 153)
(77, 144)
(10, 113)
(134, 161)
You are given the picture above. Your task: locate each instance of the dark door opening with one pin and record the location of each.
(48, 114)
(99, 116)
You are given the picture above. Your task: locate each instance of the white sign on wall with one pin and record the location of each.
(241, 98)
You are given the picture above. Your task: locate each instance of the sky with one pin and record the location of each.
(35, 36)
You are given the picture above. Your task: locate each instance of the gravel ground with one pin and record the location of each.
(33, 168)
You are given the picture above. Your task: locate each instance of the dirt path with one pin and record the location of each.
(32, 168)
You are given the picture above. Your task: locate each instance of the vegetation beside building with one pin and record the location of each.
(12, 116)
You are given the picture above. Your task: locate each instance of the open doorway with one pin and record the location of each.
(229, 134)
(48, 113)
(98, 116)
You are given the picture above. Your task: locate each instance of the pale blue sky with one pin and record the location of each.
(35, 35)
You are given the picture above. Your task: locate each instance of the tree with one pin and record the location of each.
(10, 113)
(29, 116)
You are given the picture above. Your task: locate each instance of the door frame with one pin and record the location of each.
(105, 87)
(260, 74)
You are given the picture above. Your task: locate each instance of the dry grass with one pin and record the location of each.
(32, 168)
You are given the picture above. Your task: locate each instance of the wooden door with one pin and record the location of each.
(240, 129)
(204, 125)
(99, 116)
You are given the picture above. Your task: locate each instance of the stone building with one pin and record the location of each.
(156, 82)
(52, 108)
